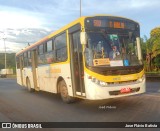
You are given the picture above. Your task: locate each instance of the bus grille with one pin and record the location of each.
(121, 71)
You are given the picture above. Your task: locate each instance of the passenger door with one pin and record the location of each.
(34, 67)
(77, 64)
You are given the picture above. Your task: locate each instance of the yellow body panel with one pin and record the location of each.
(117, 78)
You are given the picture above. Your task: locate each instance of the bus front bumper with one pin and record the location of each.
(97, 92)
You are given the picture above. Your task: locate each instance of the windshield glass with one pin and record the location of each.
(111, 50)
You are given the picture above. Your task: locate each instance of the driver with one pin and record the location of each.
(114, 52)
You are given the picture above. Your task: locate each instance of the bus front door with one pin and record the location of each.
(34, 67)
(77, 64)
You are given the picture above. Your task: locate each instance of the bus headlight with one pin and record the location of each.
(103, 83)
(142, 78)
(98, 82)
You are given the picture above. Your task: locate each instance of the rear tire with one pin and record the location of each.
(64, 93)
(29, 85)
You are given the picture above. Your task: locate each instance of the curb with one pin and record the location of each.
(153, 75)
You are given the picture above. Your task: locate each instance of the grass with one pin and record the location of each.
(153, 72)
(11, 76)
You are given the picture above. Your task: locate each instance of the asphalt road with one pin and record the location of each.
(18, 105)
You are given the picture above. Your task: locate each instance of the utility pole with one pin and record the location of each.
(5, 57)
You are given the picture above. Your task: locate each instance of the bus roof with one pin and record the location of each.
(79, 20)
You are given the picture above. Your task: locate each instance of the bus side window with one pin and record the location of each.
(18, 62)
(41, 58)
(49, 56)
(49, 46)
(25, 59)
(61, 48)
(22, 61)
(29, 58)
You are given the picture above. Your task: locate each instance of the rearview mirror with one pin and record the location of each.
(83, 38)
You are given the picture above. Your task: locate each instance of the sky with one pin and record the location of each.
(27, 21)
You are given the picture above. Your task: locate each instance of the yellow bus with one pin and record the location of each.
(94, 57)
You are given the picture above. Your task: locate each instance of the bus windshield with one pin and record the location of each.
(111, 50)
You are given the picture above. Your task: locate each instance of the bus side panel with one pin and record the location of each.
(42, 72)
(25, 72)
(37, 77)
(46, 80)
(62, 70)
(24, 76)
(28, 74)
(48, 76)
(19, 76)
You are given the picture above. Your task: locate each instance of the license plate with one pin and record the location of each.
(125, 90)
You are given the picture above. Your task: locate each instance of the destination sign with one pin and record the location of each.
(116, 23)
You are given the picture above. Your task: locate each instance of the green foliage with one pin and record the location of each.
(157, 61)
(144, 46)
(155, 33)
(10, 61)
(155, 40)
(149, 45)
(153, 48)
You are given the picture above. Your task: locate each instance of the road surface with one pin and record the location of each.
(19, 105)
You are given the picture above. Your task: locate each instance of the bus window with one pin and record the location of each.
(29, 58)
(25, 59)
(61, 48)
(41, 49)
(49, 46)
(41, 57)
(49, 55)
(18, 62)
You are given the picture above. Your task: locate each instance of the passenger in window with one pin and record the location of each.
(114, 53)
(49, 60)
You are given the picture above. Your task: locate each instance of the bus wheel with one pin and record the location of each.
(64, 93)
(29, 85)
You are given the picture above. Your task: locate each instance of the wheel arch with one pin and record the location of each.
(27, 78)
(60, 78)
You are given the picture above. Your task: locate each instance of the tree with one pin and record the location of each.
(157, 62)
(155, 36)
(143, 46)
(153, 48)
(10, 61)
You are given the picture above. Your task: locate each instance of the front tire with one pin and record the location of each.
(64, 93)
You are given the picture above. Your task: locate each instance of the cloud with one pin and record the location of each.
(48, 14)
(16, 41)
(24, 14)
(10, 47)
(18, 20)
(26, 21)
